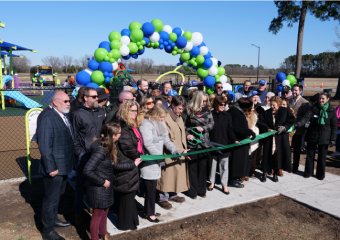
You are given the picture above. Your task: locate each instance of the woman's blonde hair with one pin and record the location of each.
(144, 103)
(157, 111)
(124, 113)
(106, 133)
(276, 99)
(195, 104)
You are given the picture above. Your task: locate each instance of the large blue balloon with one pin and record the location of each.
(147, 41)
(83, 78)
(231, 94)
(105, 67)
(182, 42)
(209, 81)
(148, 29)
(92, 84)
(106, 45)
(280, 76)
(93, 65)
(208, 55)
(195, 51)
(178, 31)
(279, 88)
(125, 32)
(207, 63)
(164, 36)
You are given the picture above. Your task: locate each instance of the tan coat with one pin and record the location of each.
(175, 176)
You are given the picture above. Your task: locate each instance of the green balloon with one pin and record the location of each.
(112, 60)
(133, 47)
(173, 37)
(202, 72)
(158, 25)
(100, 54)
(187, 35)
(135, 25)
(106, 58)
(102, 86)
(217, 79)
(290, 77)
(110, 55)
(97, 77)
(156, 44)
(221, 71)
(136, 35)
(142, 42)
(115, 36)
(186, 68)
(210, 90)
(140, 47)
(174, 52)
(185, 56)
(115, 44)
(200, 59)
(194, 64)
(115, 53)
(152, 44)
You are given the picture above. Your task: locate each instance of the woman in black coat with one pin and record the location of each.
(280, 119)
(222, 133)
(321, 132)
(239, 157)
(99, 172)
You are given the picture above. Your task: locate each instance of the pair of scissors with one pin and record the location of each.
(201, 140)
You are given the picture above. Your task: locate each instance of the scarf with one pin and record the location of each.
(323, 113)
(140, 142)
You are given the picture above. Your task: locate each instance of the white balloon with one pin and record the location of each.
(119, 60)
(213, 71)
(223, 79)
(125, 40)
(185, 64)
(214, 60)
(227, 86)
(124, 50)
(182, 32)
(115, 66)
(167, 29)
(285, 83)
(196, 39)
(89, 71)
(189, 46)
(154, 37)
(204, 50)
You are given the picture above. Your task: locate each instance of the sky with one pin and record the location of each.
(228, 29)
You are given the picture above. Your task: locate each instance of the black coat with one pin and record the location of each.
(320, 134)
(74, 105)
(111, 116)
(97, 170)
(239, 156)
(284, 118)
(222, 132)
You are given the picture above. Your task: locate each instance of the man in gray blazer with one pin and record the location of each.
(300, 107)
(55, 142)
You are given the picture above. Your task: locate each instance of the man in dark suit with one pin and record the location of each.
(55, 142)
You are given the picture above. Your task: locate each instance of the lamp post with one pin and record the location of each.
(258, 62)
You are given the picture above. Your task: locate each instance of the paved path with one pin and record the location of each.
(323, 195)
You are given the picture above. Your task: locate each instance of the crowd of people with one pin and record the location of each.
(103, 143)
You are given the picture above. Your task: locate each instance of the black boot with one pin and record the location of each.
(275, 178)
(264, 177)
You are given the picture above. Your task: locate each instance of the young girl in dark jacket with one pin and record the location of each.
(99, 172)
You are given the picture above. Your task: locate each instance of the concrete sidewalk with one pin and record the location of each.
(322, 195)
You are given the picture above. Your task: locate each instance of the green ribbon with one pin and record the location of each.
(243, 142)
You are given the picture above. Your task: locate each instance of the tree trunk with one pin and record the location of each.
(300, 39)
(337, 94)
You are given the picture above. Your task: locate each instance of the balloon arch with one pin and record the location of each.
(132, 43)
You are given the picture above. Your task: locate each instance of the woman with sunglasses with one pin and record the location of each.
(199, 119)
(146, 104)
(130, 146)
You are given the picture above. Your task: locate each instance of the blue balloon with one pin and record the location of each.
(209, 81)
(280, 76)
(165, 43)
(231, 94)
(125, 32)
(169, 41)
(135, 56)
(93, 65)
(201, 45)
(164, 36)
(107, 80)
(181, 61)
(147, 41)
(126, 57)
(105, 67)
(195, 51)
(181, 42)
(219, 63)
(83, 78)
(161, 46)
(279, 88)
(207, 63)
(92, 84)
(178, 64)
(195, 68)
(173, 45)
(168, 48)
(160, 41)
(110, 75)
(148, 29)
(106, 74)
(208, 55)
(178, 31)
(141, 51)
(106, 45)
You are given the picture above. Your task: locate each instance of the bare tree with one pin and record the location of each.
(83, 61)
(21, 65)
(53, 62)
(337, 43)
(66, 62)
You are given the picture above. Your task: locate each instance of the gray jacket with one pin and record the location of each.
(153, 144)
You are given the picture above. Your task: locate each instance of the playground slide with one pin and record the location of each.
(18, 96)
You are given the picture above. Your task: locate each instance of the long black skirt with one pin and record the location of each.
(127, 212)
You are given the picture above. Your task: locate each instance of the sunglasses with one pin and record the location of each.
(94, 96)
(219, 87)
(221, 105)
(149, 103)
(66, 101)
